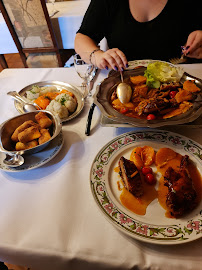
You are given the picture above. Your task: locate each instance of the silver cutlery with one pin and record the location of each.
(90, 113)
(28, 107)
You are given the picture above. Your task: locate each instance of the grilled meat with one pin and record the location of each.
(131, 177)
(169, 86)
(114, 95)
(181, 197)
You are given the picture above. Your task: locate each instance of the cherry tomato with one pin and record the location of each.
(151, 117)
(150, 179)
(173, 93)
(124, 110)
(146, 170)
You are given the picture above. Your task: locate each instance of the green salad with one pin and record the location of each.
(161, 72)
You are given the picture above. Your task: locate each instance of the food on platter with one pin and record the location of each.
(158, 93)
(45, 136)
(43, 120)
(131, 177)
(180, 185)
(23, 146)
(21, 128)
(30, 133)
(166, 175)
(181, 197)
(62, 103)
(143, 156)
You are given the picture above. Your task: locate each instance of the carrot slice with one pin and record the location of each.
(190, 86)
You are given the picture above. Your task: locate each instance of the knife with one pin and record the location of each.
(89, 119)
(90, 113)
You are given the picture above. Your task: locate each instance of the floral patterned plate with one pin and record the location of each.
(153, 227)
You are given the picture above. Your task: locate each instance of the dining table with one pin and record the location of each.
(49, 217)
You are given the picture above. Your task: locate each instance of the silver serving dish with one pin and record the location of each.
(105, 89)
(60, 86)
(7, 128)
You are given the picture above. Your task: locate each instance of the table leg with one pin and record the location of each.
(3, 61)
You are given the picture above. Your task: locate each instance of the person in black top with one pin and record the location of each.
(140, 29)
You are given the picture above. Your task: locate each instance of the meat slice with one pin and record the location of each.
(169, 86)
(181, 197)
(131, 177)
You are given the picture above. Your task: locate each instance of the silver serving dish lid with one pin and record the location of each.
(105, 89)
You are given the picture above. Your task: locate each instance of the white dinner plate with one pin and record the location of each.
(154, 226)
(38, 159)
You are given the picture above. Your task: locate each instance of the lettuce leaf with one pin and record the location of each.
(162, 72)
(151, 81)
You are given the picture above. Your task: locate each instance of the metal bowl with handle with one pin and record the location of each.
(7, 128)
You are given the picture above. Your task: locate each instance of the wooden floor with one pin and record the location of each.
(16, 267)
(14, 61)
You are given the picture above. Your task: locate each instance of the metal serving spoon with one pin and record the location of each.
(27, 107)
(14, 160)
(124, 91)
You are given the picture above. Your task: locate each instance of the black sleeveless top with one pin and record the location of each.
(159, 39)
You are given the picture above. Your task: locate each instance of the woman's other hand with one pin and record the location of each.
(111, 59)
(193, 48)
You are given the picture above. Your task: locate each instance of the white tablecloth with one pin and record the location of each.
(49, 219)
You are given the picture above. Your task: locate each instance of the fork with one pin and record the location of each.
(176, 60)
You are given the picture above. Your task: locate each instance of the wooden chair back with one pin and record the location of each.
(30, 26)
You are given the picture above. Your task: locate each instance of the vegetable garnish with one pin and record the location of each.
(161, 72)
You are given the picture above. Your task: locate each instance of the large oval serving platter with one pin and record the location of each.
(59, 86)
(105, 89)
(154, 226)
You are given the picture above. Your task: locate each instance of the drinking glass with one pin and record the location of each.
(84, 70)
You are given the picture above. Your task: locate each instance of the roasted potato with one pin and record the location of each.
(45, 136)
(23, 146)
(29, 134)
(43, 120)
(21, 128)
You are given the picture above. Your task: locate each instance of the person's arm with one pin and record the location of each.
(94, 26)
(90, 52)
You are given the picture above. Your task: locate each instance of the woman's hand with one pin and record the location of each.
(112, 58)
(193, 48)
